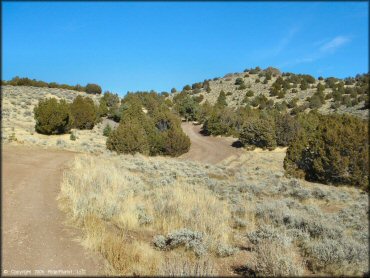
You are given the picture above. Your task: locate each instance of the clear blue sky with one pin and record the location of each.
(127, 46)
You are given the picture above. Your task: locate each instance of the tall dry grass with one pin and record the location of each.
(110, 202)
(146, 216)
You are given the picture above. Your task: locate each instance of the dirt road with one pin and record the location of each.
(208, 149)
(34, 235)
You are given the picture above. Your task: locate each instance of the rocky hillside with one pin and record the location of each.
(348, 95)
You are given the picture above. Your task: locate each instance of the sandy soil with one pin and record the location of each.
(35, 236)
(208, 149)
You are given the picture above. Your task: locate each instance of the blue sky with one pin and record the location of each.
(127, 46)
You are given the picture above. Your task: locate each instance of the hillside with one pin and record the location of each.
(18, 123)
(155, 215)
(340, 95)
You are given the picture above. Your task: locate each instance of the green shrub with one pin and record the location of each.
(199, 98)
(129, 138)
(17, 81)
(304, 85)
(218, 122)
(221, 100)
(250, 93)
(187, 88)
(110, 99)
(293, 103)
(287, 129)
(93, 89)
(52, 117)
(198, 85)
(176, 142)
(335, 105)
(259, 132)
(260, 101)
(84, 112)
(272, 71)
(239, 81)
(103, 109)
(188, 107)
(346, 100)
(331, 149)
(72, 137)
(281, 94)
(282, 106)
(270, 103)
(155, 132)
(107, 130)
(204, 111)
(242, 87)
(315, 102)
(115, 113)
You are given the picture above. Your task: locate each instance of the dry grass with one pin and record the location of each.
(18, 121)
(124, 202)
(273, 259)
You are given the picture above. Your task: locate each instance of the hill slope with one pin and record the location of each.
(341, 95)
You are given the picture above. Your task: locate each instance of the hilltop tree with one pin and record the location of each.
(93, 89)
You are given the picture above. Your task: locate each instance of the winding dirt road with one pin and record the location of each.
(35, 239)
(208, 149)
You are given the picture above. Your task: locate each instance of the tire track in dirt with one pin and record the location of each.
(34, 235)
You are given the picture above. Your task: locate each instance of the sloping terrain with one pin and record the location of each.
(18, 123)
(217, 209)
(34, 234)
(165, 216)
(255, 82)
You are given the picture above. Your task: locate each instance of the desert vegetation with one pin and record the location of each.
(294, 202)
(25, 81)
(153, 216)
(270, 88)
(52, 116)
(328, 148)
(149, 127)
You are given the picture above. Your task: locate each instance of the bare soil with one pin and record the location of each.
(36, 241)
(208, 149)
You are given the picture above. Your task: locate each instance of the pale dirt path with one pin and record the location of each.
(208, 149)
(34, 235)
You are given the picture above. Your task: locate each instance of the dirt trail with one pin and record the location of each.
(208, 149)
(34, 235)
